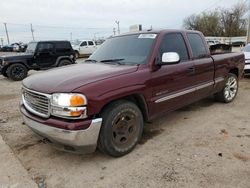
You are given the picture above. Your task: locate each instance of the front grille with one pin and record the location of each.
(37, 103)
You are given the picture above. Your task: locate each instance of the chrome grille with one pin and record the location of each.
(37, 103)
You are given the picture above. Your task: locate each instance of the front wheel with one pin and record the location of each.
(230, 89)
(17, 72)
(77, 55)
(121, 129)
(64, 62)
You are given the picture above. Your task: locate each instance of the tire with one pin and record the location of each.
(77, 55)
(4, 74)
(230, 90)
(121, 129)
(64, 62)
(17, 72)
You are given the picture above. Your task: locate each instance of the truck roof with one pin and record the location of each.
(159, 31)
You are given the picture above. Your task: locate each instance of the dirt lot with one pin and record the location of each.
(206, 144)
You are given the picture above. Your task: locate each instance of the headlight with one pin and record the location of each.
(72, 105)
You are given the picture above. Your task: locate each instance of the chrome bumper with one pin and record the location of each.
(79, 141)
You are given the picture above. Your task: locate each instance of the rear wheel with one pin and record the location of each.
(230, 89)
(17, 72)
(121, 129)
(77, 55)
(64, 62)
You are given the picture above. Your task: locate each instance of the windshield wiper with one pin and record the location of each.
(90, 60)
(117, 61)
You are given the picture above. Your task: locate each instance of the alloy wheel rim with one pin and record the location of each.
(230, 89)
(18, 72)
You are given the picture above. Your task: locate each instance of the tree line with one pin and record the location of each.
(221, 21)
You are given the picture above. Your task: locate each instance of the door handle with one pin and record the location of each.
(191, 70)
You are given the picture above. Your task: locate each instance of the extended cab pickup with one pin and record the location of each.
(84, 48)
(130, 79)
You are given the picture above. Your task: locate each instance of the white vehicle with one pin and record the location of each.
(84, 48)
(246, 51)
(213, 42)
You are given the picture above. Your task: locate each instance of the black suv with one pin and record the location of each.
(38, 56)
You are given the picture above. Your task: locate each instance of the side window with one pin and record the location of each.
(63, 47)
(90, 43)
(45, 47)
(84, 43)
(197, 45)
(174, 42)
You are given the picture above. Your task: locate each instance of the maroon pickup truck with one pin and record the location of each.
(131, 79)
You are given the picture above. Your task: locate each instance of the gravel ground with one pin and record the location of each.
(205, 144)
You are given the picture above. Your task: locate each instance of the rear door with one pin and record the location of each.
(173, 84)
(203, 64)
(91, 47)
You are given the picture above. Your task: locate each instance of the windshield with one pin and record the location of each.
(247, 48)
(131, 49)
(31, 47)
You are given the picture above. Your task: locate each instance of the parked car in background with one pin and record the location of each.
(131, 79)
(9, 48)
(38, 56)
(213, 42)
(84, 48)
(246, 51)
(19, 47)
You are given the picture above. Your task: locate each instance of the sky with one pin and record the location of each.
(86, 19)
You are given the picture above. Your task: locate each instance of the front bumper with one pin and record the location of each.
(76, 141)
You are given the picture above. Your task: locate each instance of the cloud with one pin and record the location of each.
(79, 16)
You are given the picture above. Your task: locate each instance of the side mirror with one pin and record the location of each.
(170, 58)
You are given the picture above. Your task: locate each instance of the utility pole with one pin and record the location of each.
(2, 41)
(71, 36)
(118, 27)
(248, 28)
(7, 34)
(32, 32)
(114, 31)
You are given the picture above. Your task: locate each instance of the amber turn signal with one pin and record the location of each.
(77, 100)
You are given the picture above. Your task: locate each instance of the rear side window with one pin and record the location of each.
(174, 42)
(90, 43)
(63, 47)
(197, 45)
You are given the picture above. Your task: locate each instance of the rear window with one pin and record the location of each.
(197, 45)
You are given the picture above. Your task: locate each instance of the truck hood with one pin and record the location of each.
(16, 57)
(69, 78)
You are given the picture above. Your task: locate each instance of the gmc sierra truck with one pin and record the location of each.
(131, 79)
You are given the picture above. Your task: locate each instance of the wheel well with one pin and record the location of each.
(137, 99)
(6, 67)
(235, 71)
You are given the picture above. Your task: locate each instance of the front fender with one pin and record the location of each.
(97, 103)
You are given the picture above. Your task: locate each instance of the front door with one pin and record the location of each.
(45, 55)
(173, 85)
(84, 49)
